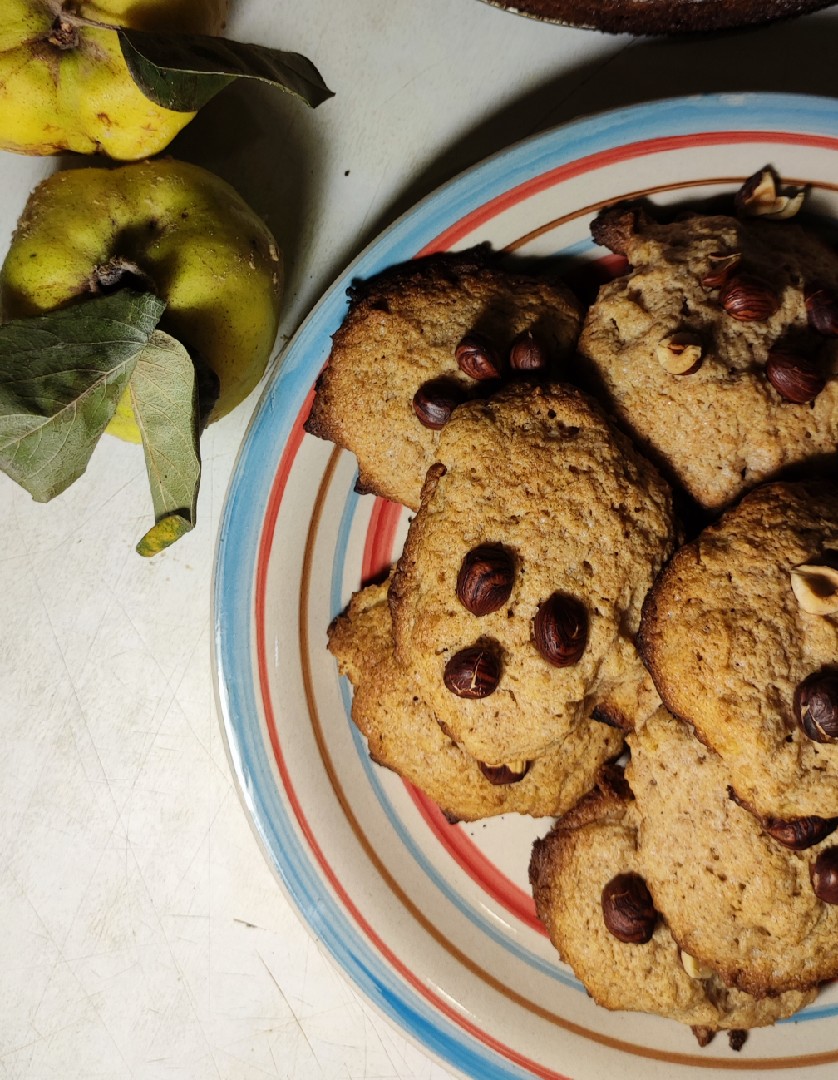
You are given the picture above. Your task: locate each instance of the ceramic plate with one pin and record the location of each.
(434, 922)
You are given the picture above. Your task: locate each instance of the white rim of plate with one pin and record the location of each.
(246, 553)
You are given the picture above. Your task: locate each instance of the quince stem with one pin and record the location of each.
(64, 33)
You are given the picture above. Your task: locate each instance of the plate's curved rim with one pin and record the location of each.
(654, 19)
(242, 518)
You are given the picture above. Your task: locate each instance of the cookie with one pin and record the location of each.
(734, 896)
(717, 349)
(402, 732)
(393, 373)
(519, 589)
(732, 648)
(588, 885)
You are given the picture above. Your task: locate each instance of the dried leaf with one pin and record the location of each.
(164, 397)
(183, 71)
(164, 533)
(61, 376)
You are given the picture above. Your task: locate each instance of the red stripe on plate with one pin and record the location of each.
(471, 859)
(265, 543)
(479, 216)
(382, 529)
(379, 554)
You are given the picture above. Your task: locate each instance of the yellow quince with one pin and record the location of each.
(64, 84)
(164, 226)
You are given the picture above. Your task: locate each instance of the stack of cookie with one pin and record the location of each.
(510, 619)
(542, 612)
(595, 880)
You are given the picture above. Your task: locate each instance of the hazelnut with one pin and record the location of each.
(508, 773)
(822, 309)
(693, 968)
(434, 402)
(816, 588)
(721, 267)
(477, 358)
(560, 629)
(800, 833)
(680, 354)
(485, 579)
(748, 298)
(824, 876)
(793, 377)
(473, 672)
(736, 1038)
(628, 910)
(762, 196)
(527, 354)
(816, 707)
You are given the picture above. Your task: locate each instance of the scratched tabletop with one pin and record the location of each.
(141, 932)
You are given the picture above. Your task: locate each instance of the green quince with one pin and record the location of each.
(177, 230)
(64, 84)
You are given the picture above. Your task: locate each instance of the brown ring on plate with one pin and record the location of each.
(659, 16)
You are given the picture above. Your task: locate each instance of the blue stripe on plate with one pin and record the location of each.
(373, 776)
(249, 488)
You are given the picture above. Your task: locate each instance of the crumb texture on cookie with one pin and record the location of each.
(729, 645)
(733, 896)
(736, 292)
(586, 522)
(402, 732)
(401, 332)
(569, 870)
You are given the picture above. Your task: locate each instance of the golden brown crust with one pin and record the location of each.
(721, 427)
(404, 735)
(727, 645)
(569, 869)
(401, 331)
(734, 898)
(542, 473)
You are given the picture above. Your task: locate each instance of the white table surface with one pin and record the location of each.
(141, 932)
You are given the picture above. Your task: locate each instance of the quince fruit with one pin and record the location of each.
(161, 226)
(64, 85)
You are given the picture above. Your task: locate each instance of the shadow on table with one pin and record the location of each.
(265, 145)
(789, 57)
(236, 134)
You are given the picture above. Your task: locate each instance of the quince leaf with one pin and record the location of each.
(61, 376)
(164, 533)
(183, 71)
(164, 397)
